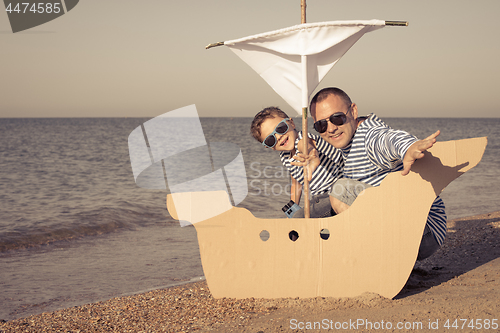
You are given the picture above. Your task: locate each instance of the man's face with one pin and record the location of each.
(337, 136)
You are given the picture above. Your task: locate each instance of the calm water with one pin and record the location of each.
(75, 228)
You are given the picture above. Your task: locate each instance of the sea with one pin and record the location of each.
(75, 228)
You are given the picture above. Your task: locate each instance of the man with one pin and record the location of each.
(371, 150)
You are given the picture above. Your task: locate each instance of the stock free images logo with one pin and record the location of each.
(28, 14)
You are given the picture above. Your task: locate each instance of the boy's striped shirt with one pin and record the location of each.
(328, 171)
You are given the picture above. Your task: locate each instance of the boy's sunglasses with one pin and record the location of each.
(338, 119)
(282, 127)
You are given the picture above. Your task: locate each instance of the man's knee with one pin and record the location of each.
(337, 205)
(346, 190)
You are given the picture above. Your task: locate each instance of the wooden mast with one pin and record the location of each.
(305, 101)
(303, 11)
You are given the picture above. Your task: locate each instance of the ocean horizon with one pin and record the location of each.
(75, 228)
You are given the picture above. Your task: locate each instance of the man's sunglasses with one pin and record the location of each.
(282, 127)
(338, 119)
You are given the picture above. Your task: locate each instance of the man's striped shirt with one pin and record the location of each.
(375, 150)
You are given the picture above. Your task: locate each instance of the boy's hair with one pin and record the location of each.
(267, 113)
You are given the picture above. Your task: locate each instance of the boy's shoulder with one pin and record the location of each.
(285, 157)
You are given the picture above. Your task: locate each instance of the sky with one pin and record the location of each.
(122, 58)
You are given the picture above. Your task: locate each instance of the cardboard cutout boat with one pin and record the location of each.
(371, 247)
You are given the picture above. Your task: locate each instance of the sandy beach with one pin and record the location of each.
(456, 289)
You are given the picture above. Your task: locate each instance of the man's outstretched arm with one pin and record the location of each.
(416, 151)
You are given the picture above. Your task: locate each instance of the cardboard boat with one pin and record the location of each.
(372, 247)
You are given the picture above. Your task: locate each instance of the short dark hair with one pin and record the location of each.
(325, 92)
(267, 113)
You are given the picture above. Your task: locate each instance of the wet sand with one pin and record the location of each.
(458, 287)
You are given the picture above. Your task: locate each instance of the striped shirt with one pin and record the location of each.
(375, 150)
(328, 171)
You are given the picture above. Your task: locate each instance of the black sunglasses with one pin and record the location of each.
(338, 119)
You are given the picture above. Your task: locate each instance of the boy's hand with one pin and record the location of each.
(311, 144)
(310, 161)
(416, 151)
(313, 164)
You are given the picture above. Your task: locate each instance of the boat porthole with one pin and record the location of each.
(293, 235)
(324, 234)
(264, 235)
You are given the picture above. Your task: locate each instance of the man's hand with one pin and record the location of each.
(416, 151)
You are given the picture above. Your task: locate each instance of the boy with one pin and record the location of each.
(274, 129)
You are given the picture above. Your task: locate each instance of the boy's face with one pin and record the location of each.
(286, 142)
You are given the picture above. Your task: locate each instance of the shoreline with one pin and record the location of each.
(461, 281)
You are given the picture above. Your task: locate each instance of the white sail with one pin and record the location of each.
(276, 55)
